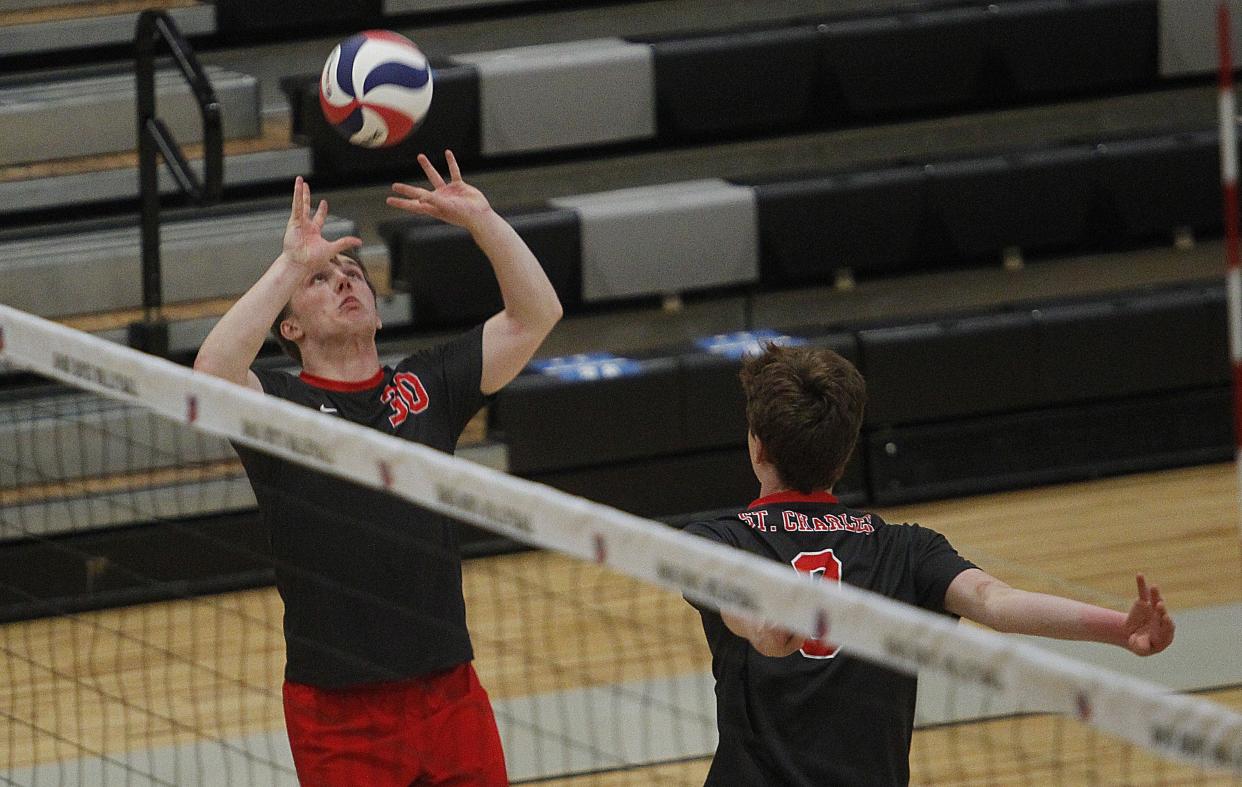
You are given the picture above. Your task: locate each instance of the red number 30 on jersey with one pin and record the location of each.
(822, 565)
(406, 395)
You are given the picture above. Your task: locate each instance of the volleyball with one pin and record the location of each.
(375, 88)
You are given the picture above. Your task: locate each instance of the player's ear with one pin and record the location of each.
(757, 455)
(290, 329)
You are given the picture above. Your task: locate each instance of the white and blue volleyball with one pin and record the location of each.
(375, 88)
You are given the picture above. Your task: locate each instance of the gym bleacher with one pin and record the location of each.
(974, 201)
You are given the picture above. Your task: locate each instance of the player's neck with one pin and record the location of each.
(348, 361)
(774, 486)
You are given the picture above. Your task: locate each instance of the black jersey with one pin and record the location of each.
(820, 717)
(371, 583)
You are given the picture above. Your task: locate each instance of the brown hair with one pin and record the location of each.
(291, 349)
(805, 405)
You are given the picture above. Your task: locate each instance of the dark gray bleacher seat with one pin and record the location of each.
(669, 238)
(564, 95)
(902, 63)
(868, 222)
(91, 115)
(99, 270)
(1050, 48)
(1155, 185)
(738, 81)
(450, 280)
(395, 7)
(936, 370)
(1133, 346)
(553, 424)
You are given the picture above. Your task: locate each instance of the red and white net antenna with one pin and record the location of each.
(1229, 188)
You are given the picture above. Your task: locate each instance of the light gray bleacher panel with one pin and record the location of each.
(66, 437)
(94, 511)
(669, 238)
(100, 271)
(241, 169)
(7, 6)
(91, 31)
(564, 95)
(1188, 36)
(99, 114)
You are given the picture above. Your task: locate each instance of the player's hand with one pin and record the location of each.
(455, 202)
(304, 244)
(774, 641)
(1148, 627)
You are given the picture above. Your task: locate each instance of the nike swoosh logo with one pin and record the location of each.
(323, 408)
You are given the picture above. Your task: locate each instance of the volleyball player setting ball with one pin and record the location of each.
(379, 685)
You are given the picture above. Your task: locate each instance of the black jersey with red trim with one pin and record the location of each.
(371, 583)
(820, 716)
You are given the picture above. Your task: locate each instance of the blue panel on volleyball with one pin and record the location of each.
(742, 343)
(588, 366)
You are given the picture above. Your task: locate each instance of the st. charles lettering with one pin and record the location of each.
(85, 370)
(303, 446)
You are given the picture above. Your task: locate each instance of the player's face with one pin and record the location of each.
(334, 300)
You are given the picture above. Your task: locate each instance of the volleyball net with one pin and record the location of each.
(594, 661)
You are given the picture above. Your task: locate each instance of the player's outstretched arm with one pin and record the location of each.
(236, 339)
(532, 308)
(1147, 629)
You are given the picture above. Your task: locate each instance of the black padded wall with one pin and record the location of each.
(952, 368)
(1059, 47)
(973, 456)
(550, 423)
(742, 81)
(869, 222)
(245, 19)
(1112, 348)
(1152, 186)
(891, 65)
(450, 281)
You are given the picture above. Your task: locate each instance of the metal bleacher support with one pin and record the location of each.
(91, 271)
(34, 117)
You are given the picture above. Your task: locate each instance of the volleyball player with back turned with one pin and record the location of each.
(794, 712)
(379, 687)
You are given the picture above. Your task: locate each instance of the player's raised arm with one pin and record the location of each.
(235, 340)
(1146, 630)
(511, 337)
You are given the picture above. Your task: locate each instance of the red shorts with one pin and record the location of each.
(434, 729)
